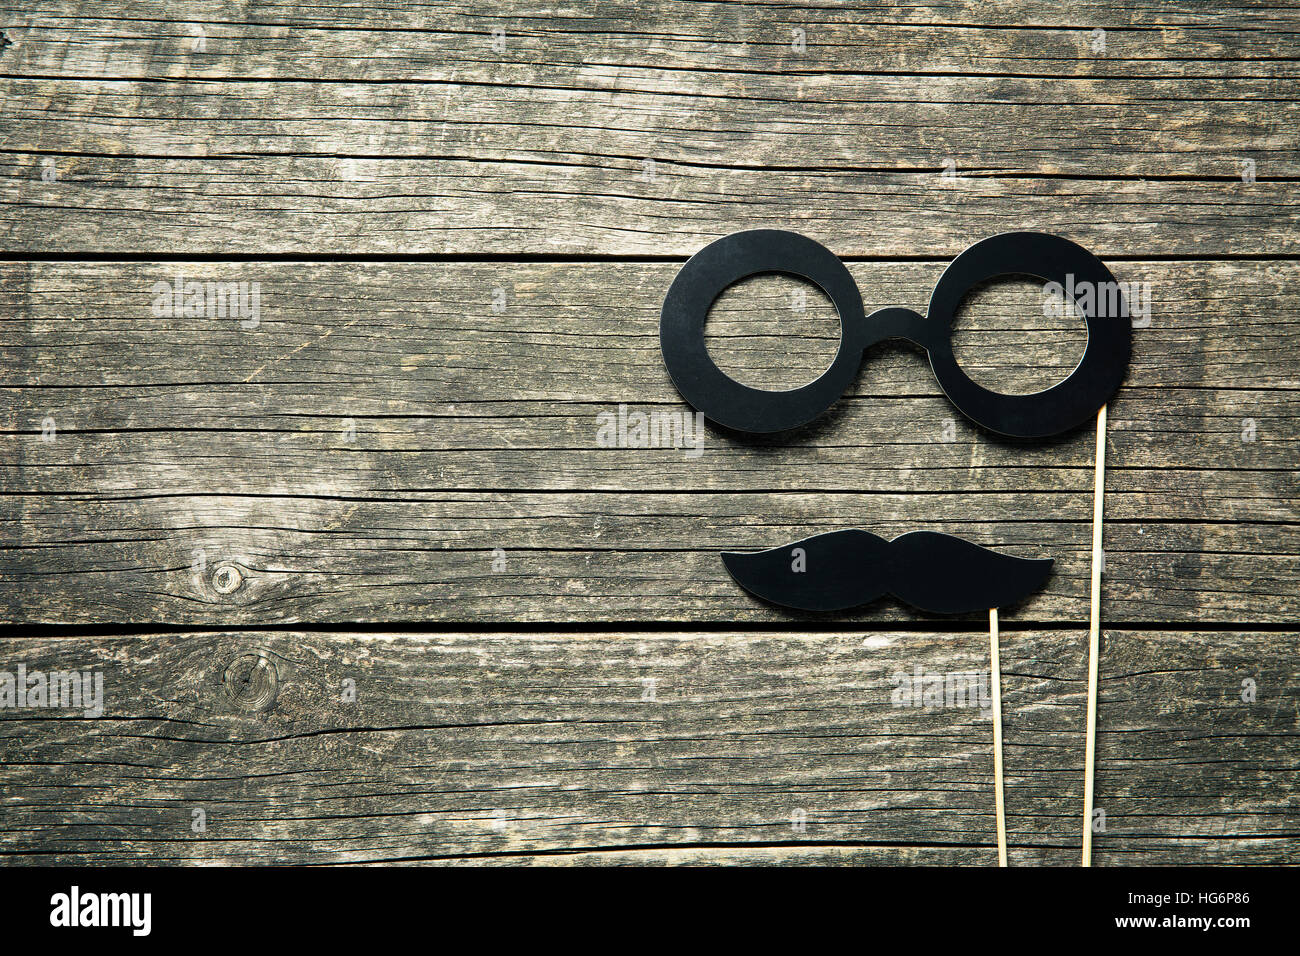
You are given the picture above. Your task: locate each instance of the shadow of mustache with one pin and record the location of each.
(934, 572)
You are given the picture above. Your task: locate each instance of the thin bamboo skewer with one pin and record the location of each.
(995, 677)
(1094, 637)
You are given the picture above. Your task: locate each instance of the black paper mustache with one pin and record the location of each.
(934, 572)
(728, 260)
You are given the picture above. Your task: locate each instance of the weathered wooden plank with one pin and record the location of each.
(434, 40)
(565, 146)
(646, 747)
(363, 452)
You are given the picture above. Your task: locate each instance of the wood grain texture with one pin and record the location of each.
(366, 450)
(462, 219)
(526, 748)
(643, 130)
(442, 40)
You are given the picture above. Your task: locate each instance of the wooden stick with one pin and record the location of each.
(1094, 637)
(995, 677)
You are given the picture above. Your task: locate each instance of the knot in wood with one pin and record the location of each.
(251, 682)
(226, 579)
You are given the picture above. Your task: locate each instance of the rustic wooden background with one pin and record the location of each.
(463, 218)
